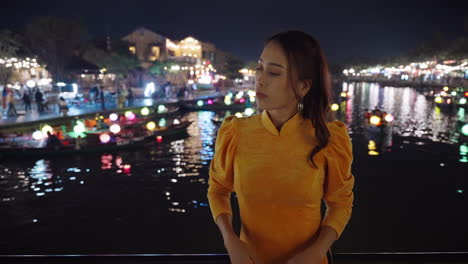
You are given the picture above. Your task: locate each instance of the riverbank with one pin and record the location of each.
(405, 83)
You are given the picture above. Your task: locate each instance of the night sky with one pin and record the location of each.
(344, 28)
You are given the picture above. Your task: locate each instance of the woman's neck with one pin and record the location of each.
(280, 116)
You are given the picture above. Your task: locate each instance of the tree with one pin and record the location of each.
(118, 60)
(232, 66)
(55, 41)
(9, 45)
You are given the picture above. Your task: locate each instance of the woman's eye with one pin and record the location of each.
(274, 74)
(258, 68)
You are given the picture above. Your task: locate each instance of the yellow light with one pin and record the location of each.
(45, 129)
(446, 88)
(145, 111)
(151, 125)
(438, 100)
(389, 118)
(375, 120)
(335, 107)
(128, 114)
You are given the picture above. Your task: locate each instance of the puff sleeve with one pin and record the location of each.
(221, 173)
(339, 181)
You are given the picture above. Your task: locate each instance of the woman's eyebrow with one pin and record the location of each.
(273, 64)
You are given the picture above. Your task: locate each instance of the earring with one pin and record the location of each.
(300, 107)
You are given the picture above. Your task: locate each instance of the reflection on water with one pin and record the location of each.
(153, 200)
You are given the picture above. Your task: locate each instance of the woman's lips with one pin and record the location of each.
(260, 95)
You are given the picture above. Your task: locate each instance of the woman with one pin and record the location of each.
(283, 162)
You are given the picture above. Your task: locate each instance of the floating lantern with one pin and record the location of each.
(344, 94)
(227, 100)
(79, 128)
(464, 130)
(115, 128)
(46, 128)
(375, 120)
(37, 135)
(335, 107)
(145, 111)
(210, 102)
(151, 125)
(176, 122)
(389, 118)
(462, 101)
(162, 122)
(200, 103)
(242, 100)
(104, 138)
(161, 108)
(113, 117)
(438, 100)
(239, 115)
(159, 139)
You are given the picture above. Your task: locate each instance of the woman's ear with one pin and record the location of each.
(304, 87)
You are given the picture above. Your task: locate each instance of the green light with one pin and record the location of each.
(453, 93)
(460, 191)
(462, 101)
(200, 103)
(145, 111)
(464, 160)
(464, 130)
(463, 149)
(162, 122)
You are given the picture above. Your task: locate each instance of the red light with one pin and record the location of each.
(242, 100)
(159, 139)
(466, 94)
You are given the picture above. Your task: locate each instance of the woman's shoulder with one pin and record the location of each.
(338, 132)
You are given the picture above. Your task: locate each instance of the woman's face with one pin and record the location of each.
(272, 79)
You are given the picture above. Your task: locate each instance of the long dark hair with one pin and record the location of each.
(307, 62)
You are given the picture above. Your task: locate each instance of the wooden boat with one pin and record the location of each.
(126, 139)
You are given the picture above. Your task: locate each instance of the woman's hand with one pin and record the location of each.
(238, 252)
(306, 257)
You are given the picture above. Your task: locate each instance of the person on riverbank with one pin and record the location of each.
(4, 98)
(11, 104)
(53, 141)
(39, 101)
(280, 202)
(63, 106)
(27, 100)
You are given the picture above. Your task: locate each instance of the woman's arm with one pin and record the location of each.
(224, 222)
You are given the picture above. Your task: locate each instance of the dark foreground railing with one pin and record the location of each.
(337, 258)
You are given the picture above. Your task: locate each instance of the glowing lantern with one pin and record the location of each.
(115, 128)
(104, 138)
(113, 117)
(162, 122)
(453, 93)
(438, 100)
(242, 100)
(159, 139)
(128, 114)
(79, 128)
(462, 101)
(45, 129)
(446, 88)
(200, 103)
(344, 94)
(37, 135)
(335, 107)
(210, 102)
(161, 108)
(239, 115)
(145, 111)
(389, 118)
(464, 130)
(176, 122)
(131, 117)
(151, 125)
(248, 111)
(227, 100)
(375, 120)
